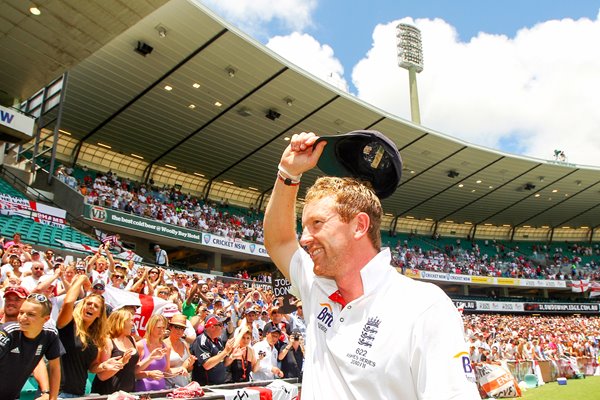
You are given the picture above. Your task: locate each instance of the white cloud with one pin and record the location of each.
(307, 53)
(251, 15)
(533, 93)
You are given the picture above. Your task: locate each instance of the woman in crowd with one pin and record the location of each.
(120, 346)
(242, 360)
(81, 329)
(155, 356)
(198, 319)
(181, 361)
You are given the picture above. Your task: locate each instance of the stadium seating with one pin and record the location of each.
(41, 234)
(8, 189)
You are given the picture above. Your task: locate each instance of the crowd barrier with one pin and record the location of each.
(552, 369)
(209, 391)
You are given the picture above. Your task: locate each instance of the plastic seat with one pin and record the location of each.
(531, 381)
(29, 389)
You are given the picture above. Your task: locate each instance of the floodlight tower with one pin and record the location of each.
(410, 57)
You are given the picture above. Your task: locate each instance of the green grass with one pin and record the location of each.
(575, 389)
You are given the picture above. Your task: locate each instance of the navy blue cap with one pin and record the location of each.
(364, 155)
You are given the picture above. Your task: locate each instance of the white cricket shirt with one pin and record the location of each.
(402, 339)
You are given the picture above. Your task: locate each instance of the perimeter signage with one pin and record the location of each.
(134, 222)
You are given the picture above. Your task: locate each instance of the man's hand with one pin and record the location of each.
(300, 156)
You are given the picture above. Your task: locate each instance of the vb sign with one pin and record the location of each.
(98, 214)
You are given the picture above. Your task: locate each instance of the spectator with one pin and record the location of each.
(292, 357)
(82, 330)
(162, 258)
(266, 352)
(37, 271)
(243, 358)
(210, 353)
(155, 356)
(119, 356)
(181, 361)
(34, 342)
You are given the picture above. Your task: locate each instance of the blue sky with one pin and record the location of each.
(519, 76)
(348, 29)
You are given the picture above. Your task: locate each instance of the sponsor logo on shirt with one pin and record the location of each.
(39, 349)
(325, 317)
(15, 350)
(465, 361)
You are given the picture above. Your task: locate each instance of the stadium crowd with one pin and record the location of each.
(557, 265)
(496, 337)
(206, 330)
(209, 330)
(168, 205)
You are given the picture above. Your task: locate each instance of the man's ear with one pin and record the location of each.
(363, 223)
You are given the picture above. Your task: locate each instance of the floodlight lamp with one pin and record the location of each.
(410, 49)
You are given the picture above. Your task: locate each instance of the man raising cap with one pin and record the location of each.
(363, 345)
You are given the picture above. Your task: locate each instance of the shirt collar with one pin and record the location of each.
(372, 274)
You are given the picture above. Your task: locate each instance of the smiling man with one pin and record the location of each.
(24, 343)
(374, 333)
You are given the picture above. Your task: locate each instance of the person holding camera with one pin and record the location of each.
(267, 353)
(292, 357)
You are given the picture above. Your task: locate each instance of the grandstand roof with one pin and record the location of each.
(36, 49)
(117, 97)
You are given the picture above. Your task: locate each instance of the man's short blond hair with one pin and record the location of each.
(352, 197)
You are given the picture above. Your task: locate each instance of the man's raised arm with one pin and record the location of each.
(280, 217)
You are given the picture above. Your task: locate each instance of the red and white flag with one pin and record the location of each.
(147, 305)
(594, 289)
(580, 286)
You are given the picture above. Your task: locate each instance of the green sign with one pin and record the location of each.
(141, 224)
(130, 221)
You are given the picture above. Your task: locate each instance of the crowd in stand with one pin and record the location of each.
(209, 331)
(495, 337)
(558, 264)
(206, 330)
(168, 205)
